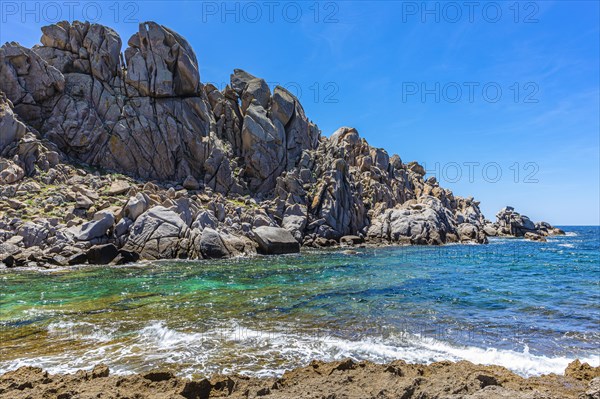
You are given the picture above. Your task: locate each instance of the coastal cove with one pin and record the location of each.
(529, 306)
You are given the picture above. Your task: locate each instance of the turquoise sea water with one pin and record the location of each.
(532, 307)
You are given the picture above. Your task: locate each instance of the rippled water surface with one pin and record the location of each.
(529, 306)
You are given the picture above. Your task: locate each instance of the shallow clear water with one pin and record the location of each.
(532, 307)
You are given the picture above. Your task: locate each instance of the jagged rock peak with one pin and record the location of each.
(161, 63)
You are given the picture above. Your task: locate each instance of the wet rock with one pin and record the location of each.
(275, 241)
(582, 371)
(100, 371)
(102, 254)
(77, 259)
(534, 237)
(127, 256)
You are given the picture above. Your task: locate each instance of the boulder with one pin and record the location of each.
(205, 219)
(534, 237)
(83, 202)
(351, 240)
(190, 183)
(275, 241)
(103, 221)
(102, 254)
(427, 222)
(490, 230)
(118, 187)
(122, 228)
(295, 220)
(77, 259)
(10, 172)
(34, 234)
(156, 234)
(212, 245)
(136, 206)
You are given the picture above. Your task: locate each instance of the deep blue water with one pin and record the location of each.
(532, 307)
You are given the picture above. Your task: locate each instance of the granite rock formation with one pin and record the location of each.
(100, 146)
(510, 223)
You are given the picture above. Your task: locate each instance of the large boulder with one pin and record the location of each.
(157, 234)
(212, 245)
(102, 254)
(96, 228)
(275, 241)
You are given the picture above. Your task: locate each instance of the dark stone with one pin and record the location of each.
(212, 245)
(128, 256)
(77, 259)
(197, 389)
(102, 254)
(156, 376)
(9, 261)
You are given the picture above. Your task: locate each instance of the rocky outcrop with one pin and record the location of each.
(200, 170)
(512, 224)
(345, 378)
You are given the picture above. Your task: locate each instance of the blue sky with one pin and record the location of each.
(500, 100)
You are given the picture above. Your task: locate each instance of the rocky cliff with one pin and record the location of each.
(131, 151)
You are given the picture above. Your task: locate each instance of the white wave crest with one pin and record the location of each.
(236, 349)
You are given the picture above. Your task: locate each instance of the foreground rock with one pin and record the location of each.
(342, 379)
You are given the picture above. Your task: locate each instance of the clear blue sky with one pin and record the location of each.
(379, 66)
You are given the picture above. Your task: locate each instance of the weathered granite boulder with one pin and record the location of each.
(34, 234)
(10, 172)
(423, 223)
(275, 241)
(212, 245)
(97, 227)
(156, 234)
(136, 206)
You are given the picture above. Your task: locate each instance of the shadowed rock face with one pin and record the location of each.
(76, 98)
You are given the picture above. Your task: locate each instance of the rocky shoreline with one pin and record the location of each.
(110, 157)
(341, 379)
